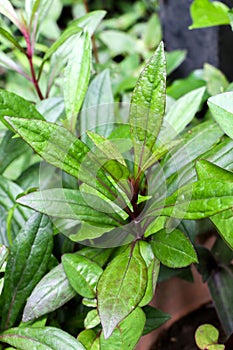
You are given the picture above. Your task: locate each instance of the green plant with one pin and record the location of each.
(128, 190)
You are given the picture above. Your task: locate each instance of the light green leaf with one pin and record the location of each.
(88, 231)
(121, 288)
(71, 204)
(174, 59)
(98, 255)
(98, 107)
(8, 10)
(4, 252)
(26, 265)
(222, 111)
(153, 32)
(173, 249)
(76, 79)
(205, 13)
(205, 335)
(37, 10)
(118, 42)
(180, 114)
(90, 21)
(154, 319)
(197, 200)
(148, 103)
(51, 292)
(51, 108)
(83, 274)
(92, 319)
(156, 225)
(215, 79)
(126, 334)
(153, 266)
(8, 36)
(62, 149)
(45, 338)
(87, 338)
(9, 63)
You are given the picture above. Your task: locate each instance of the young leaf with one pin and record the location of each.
(205, 335)
(50, 293)
(8, 10)
(126, 334)
(83, 274)
(197, 200)
(148, 103)
(98, 110)
(76, 79)
(45, 338)
(215, 79)
(205, 13)
(173, 249)
(87, 338)
(62, 149)
(70, 204)
(26, 265)
(38, 9)
(121, 288)
(154, 319)
(180, 114)
(222, 111)
(8, 36)
(92, 319)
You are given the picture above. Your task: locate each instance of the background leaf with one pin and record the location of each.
(154, 319)
(25, 267)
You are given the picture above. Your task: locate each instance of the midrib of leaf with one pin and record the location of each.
(174, 248)
(27, 338)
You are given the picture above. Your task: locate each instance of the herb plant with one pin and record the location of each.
(126, 183)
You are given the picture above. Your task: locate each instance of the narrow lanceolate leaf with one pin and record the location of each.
(148, 103)
(53, 291)
(70, 204)
(173, 249)
(62, 149)
(224, 220)
(44, 338)
(98, 110)
(8, 63)
(26, 265)
(83, 274)
(205, 13)
(121, 288)
(76, 79)
(222, 111)
(8, 36)
(4, 252)
(12, 105)
(8, 10)
(180, 114)
(127, 333)
(197, 200)
(38, 9)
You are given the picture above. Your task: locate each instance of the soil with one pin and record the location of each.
(180, 336)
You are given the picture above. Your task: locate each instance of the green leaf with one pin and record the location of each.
(7, 35)
(4, 252)
(87, 338)
(26, 265)
(222, 111)
(121, 288)
(205, 335)
(148, 103)
(153, 266)
(154, 319)
(92, 319)
(83, 274)
(70, 31)
(45, 338)
(8, 63)
(71, 204)
(98, 255)
(51, 108)
(8, 10)
(118, 42)
(216, 80)
(197, 200)
(174, 59)
(76, 79)
(62, 149)
(37, 10)
(50, 293)
(126, 334)
(181, 114)
(156, 225)
(173, 249)
(90, 21)
(206, 169)
(98, 107)
(205, 13)
(12, 105)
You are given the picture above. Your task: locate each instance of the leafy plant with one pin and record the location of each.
(123, 183)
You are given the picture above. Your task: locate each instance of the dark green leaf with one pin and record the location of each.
(7, 35)
(205, 13)
(46, 338)
(148, 103)
(83, 274)
(154, 319)
(26, 265)
(121, 288)
(173, 249)
(51, 292)
(76, 79)
(126, 334)
(222, 111)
